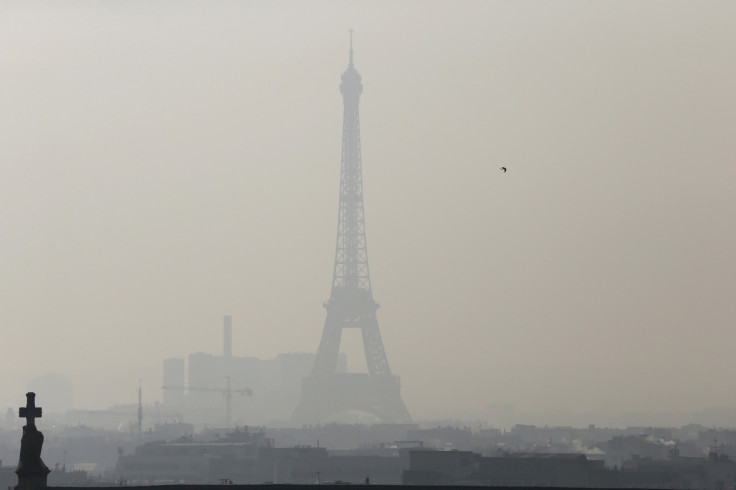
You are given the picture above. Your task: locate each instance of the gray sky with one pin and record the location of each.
(167, 163)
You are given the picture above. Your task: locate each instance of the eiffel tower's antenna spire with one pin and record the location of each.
(351, 48)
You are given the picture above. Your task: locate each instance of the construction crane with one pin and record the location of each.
(227, 391)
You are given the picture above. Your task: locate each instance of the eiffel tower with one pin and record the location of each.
(351, 305)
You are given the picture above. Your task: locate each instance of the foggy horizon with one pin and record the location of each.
(169, 163)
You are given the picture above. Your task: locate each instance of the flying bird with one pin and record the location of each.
(504, 169)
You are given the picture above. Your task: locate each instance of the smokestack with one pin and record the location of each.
(227, 350)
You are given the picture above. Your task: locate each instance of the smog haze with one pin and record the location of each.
(167, 163)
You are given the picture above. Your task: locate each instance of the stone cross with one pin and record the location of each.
(30, 411)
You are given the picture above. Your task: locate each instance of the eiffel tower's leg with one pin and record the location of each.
(375, 355)
(329, 347)
(389, 399)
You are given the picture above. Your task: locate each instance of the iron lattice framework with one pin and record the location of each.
(351, 303)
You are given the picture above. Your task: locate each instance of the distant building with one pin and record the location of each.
(209, 388)
(715, 472)
(314, 465)
(275, 385)
(546, 470)
(443, 437)
(232, 457)
(60, 477)
(244, 458)
(209, 373)
(430, 467)
(8, 478)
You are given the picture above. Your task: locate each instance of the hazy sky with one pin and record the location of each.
(166, 163)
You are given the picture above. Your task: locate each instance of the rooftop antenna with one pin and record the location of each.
(351, 47)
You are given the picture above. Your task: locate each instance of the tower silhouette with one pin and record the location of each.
(351, 303)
